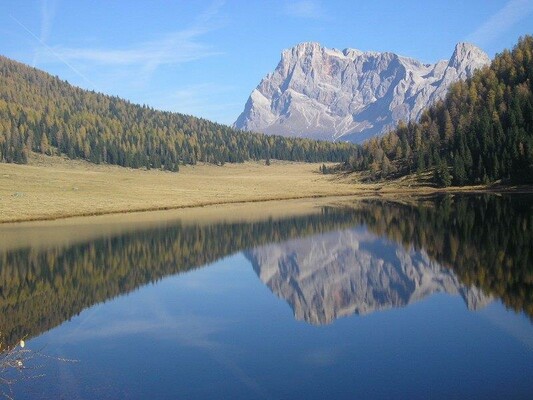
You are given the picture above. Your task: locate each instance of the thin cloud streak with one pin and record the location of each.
(58, 56)
(499, 23)
(309, 9)
(171, 49)
(47, 18)
(142, 54)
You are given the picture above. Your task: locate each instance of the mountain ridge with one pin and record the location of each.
(349, 95)
(481, 132)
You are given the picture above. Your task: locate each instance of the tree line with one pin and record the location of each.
(42, 288)
(486, 240)
(481, 132)
(41, 113)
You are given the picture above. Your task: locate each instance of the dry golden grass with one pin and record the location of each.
(68, 231)
(53, 187)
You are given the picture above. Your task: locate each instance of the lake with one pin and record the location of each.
(425, 298)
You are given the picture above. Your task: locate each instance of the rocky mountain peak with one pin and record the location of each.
(303, 49)
(464, 50)
(350, 95)
(467, 57)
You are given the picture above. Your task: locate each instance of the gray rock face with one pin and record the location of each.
(350, 95)
(328, 276)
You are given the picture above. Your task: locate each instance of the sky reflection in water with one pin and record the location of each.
(220, 332)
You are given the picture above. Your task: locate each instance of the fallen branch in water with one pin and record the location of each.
(18, 363)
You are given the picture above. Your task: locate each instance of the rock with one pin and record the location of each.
(350, 95)
(328, 276)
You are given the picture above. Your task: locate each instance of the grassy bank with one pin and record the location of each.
(52, 187)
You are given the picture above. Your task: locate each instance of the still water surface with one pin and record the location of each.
(431, 299)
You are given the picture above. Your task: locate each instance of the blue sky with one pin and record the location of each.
(205, 57)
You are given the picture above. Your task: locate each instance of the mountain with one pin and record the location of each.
(71, 274)
(350, 95)
(481, 132)
(39, 112)
(353, 271)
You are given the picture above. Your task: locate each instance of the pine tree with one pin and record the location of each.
(44, 145)
(442, 175)
(80, 124)
(483, 128)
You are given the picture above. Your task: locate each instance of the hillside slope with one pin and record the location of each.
(40, 112)
(481, 132)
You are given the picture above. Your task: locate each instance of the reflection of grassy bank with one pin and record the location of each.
(69, 231)
(42, 286)
(52, 188)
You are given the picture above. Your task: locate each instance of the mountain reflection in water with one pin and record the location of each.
(361, 257)
(346, 272)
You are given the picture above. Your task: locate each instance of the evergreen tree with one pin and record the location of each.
(41, 113)
(442, 175)
(483, 128)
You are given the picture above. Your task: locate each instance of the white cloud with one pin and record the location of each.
(174, 48)
(47, 17)
(497, 24)
(142, 59)
(310, 9)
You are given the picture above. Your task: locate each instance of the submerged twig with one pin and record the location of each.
(17, 364)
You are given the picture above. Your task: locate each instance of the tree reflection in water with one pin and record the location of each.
(485, 241)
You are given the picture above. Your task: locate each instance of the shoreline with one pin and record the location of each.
(383, 193)
(54, 188)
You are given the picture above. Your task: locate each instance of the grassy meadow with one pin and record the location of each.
(54, 187)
